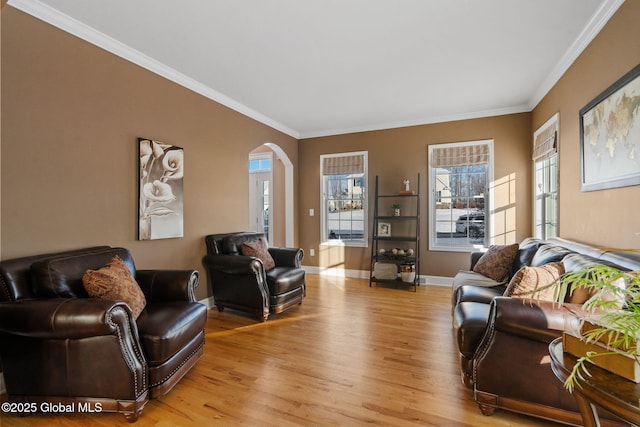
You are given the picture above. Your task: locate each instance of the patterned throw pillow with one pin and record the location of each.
(534, 282)
(259, 250)
(115, 282)
(496, 262)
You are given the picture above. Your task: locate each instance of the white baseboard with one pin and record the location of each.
(363, 274)
(208, 302)
(437, 280)
(336, 272)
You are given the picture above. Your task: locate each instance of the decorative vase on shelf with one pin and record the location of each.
(396, 209)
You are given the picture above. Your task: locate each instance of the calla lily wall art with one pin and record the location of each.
(160, 214)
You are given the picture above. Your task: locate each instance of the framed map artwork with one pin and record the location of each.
(610, 136)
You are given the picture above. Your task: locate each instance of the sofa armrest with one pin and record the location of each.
(287, 257)
(541, 320)
(168, 285)
(63, 318)
(471, 293)
(233, 264)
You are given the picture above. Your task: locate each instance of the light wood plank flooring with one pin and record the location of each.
(350, 355)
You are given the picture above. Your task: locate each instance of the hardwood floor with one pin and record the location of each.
(350, 355)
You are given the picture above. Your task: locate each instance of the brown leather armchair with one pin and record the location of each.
(57, 345)
(242, 283)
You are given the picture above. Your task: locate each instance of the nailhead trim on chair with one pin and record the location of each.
(130, 363)
(179, 366)
(5, 290)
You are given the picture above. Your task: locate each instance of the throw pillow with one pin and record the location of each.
(496, 262)
(581, 295)
(115, 282)
(534, 283)
(258, 249)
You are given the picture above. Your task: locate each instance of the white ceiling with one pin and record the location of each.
(322, 67)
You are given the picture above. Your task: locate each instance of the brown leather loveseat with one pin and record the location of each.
(58, 346)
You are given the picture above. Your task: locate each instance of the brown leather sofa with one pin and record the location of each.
(57, 345)
(503, 342)
(241, 282)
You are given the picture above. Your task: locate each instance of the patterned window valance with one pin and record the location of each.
(466, 155)
(343, 165)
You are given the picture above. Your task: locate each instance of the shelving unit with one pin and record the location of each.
(389, 231)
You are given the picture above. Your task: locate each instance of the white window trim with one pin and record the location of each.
(433, 245)
(323, 204)
(555, 122)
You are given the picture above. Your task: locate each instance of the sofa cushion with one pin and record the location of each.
(526, 252)
(259, 249)
(115, 282)
(232, 244)
(496, 262)
(534, 283)
(283, 279)
(165, 328)
(61, 276)
(549, 253)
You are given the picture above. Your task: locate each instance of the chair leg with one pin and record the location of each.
(132, 417)
(220, 307)
(486, 410)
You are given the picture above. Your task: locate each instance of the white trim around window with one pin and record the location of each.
(460, 195)
(344, 214)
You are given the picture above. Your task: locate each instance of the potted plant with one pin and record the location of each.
(612, 314)
(396, 209)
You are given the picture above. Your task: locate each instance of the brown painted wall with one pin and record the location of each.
(71, 116)
(398, 153)
(607, 217)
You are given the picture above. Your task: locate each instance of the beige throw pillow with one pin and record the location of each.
(534, 283)
(115, 282)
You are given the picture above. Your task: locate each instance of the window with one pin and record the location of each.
(344, 207)
(260, 162)
(459, 177)
(546, 170)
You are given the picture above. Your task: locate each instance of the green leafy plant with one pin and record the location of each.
(395, 206)
(613, 306)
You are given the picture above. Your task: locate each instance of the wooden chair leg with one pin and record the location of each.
(486, 410)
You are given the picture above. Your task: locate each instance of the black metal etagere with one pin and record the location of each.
(403, 229)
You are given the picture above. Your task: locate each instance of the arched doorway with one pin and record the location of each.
(271, 194)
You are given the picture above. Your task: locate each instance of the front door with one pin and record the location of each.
(260, 211)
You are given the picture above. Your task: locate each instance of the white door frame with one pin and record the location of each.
(288, 192)
(256, 177)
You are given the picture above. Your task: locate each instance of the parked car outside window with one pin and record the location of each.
(471, 224)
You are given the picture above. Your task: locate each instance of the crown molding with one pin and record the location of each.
(599, 19)
(418, 122)
(70, 25)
